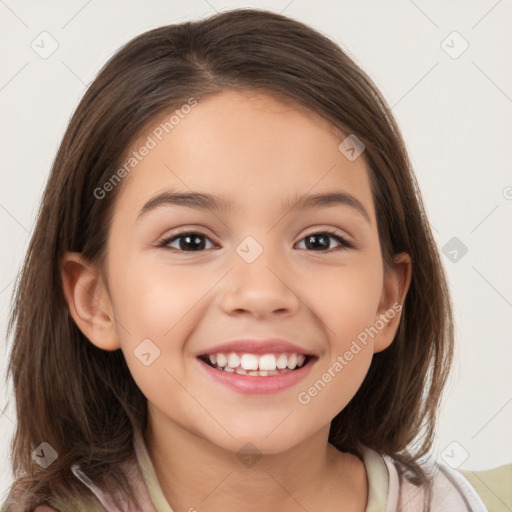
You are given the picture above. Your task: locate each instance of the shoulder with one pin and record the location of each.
(494, 486)
(452, 489)
(477, 491)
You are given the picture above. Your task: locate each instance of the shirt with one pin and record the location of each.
(387, 491)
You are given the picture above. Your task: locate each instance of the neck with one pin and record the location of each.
(195, 474)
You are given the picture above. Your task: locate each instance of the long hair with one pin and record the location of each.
(82, 400)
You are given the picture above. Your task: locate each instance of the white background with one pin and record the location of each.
(455, 114)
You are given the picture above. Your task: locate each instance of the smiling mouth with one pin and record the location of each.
(266, 365)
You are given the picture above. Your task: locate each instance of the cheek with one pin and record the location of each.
(156, 301)
(345, 298)
(156, 310)
(333, 386)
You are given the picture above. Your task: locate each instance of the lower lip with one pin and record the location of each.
(253, 385)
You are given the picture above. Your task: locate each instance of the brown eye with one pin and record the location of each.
(322, 240)
(187, 242)
(193, 241)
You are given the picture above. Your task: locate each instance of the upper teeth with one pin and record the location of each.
(266, 362)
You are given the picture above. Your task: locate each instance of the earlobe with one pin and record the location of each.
(88, 301)
(397, 280)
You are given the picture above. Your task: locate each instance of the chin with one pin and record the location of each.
(250, 441)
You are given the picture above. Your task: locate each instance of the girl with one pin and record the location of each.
(232, 298)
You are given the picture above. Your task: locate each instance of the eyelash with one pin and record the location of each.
(344, 243)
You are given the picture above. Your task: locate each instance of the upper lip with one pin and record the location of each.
(255, 346)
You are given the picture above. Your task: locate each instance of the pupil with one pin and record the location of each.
(324, 244)
(194, 239)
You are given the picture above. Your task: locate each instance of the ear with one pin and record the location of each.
(397, 279)
(89, 301)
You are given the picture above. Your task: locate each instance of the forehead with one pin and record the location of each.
(246, 146)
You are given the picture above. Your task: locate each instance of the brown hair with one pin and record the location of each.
(82, 400)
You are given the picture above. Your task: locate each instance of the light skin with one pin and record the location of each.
(258, 152)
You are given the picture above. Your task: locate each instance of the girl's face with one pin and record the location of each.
(260, 269)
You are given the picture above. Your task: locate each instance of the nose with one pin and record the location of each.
(260, 288)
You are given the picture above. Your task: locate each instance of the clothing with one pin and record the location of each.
(452, 490)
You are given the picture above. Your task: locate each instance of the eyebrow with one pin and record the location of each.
(204, 201)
